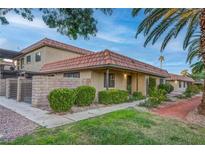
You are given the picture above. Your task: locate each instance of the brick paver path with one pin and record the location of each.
(179, 109)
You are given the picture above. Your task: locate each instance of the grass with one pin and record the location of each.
(127, 126)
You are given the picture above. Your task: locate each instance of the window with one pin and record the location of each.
(161, 81)
(111, 80)
(184, 84)
(28, 59)
(38, 56)
(180, 84)
(22, 63)
(72, 75)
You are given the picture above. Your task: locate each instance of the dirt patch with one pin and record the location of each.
(179, 109)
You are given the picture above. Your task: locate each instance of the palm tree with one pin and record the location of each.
(168, 23)
(161, 59)
(185, 72)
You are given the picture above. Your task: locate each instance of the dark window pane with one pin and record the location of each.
(28, 59)
(111, 80)
(180, 84)
(72, 75)
(38, 56)
(22, 63)
(161, 81)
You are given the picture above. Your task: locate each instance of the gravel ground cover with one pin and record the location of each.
(13, 125)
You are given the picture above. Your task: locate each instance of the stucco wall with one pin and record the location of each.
(142, 83)
(48, 54)
(175, 84)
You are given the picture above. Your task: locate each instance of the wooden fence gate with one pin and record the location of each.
(13, 89)
(26, 90)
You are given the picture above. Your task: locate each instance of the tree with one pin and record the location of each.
(161, 59)
(185, 73)
(168, 23)
(73, 23)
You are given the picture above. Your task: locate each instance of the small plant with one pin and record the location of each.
(62, 99)
(156, 97)
(113, 96)
(85, 95)
(137, 95)
(167, 87)
(191, 90)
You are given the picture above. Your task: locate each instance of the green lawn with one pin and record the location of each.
(122, 127)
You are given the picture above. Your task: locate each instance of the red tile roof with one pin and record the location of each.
(54, 44)
(102, 59)
(179, 77)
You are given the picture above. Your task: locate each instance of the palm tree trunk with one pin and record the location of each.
(201, 107)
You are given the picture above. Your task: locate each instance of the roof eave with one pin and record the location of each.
(104, 65)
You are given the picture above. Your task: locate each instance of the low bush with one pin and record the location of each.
(137, 96)
(167, 87)
(62, 99)
(191, 90)
(156, 97)
(113, 96)
(85, 95)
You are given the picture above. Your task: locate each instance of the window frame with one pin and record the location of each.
(111, 80)
(161, 81)
(72, 75)
(28, 62)
(22, 63)
(180, 84)
(37, 54)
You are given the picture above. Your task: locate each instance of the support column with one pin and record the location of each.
(19, 85)
(7, 88)
(107, 79)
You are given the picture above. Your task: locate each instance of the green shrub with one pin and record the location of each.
(62, 99)
(137, 95)
(85, 95)
(167, 87)
(113, 96)
(152, 83)
(156, 97)
(191, 90)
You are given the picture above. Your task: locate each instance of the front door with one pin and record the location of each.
(129, 84)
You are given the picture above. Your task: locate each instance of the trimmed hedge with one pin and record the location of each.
(85, 95)
(137, 96)
(113, 96)
(167, 87)
(62, 99)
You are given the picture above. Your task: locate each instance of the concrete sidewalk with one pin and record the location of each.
(45, 119)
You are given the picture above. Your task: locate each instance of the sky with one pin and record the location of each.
(115, 32)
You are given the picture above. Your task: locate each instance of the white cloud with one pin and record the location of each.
(110, 30)
(19, 21)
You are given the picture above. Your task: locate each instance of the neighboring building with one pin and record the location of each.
(179, 82)
(54, 64)
(199, 82)
(7, 67)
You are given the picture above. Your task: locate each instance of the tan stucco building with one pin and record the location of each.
(179, 82)
(54, 64)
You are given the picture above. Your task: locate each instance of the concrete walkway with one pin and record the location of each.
(45, 119)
